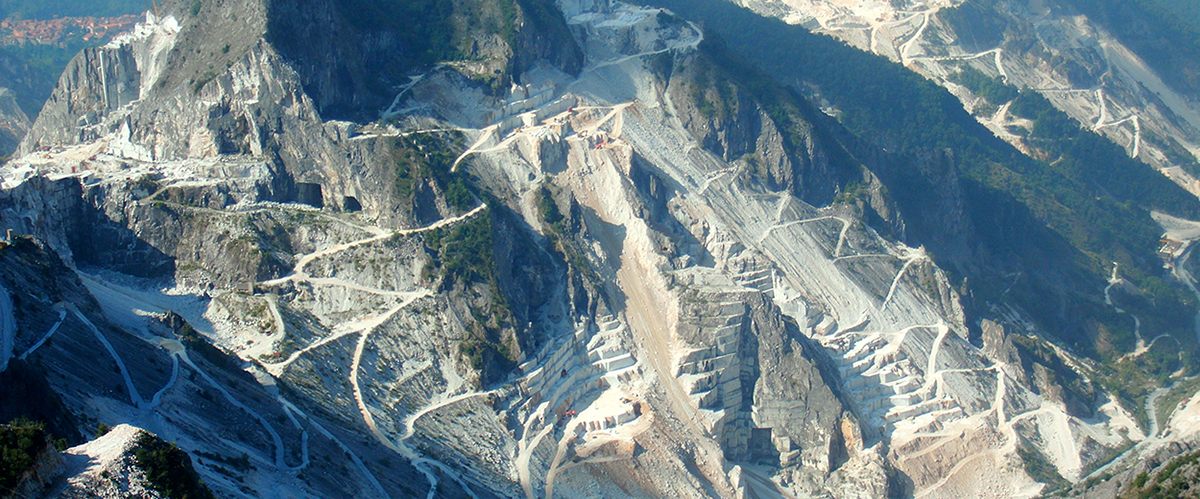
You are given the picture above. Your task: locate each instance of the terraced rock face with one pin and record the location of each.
(626, 274)
(1047, 47)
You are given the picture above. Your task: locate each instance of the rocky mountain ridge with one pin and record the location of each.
(983, 52)
(1047, 47)
(621, 267)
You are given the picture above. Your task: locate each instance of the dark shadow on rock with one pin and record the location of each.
(108, 244)
(655, 191)
(25, 393)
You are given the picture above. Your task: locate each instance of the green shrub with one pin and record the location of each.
(20, 443)
(458, 196)
(992, 89)
(464, 251)
(422, 158)
(169, 469)
(1039, 468)
(549, 209)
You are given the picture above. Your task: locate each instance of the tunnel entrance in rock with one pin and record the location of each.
(762, 446)
(350, 203)
(309, 194)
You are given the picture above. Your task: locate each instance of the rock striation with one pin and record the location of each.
(583, 252)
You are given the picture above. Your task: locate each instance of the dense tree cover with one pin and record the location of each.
(423, 158)
(49, 9)
(169, 469)
(1094, 199)
(1093, 166)
(551, 215)
(1184, 11)
(20, 443)
(992, 89)
(1175, 479)
(464, 251)
(1164, 33)
(1096, 169)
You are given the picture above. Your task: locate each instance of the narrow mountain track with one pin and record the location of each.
(134, 397)
(358, 462)
(363, 327)
(841, 236)
(896, 282)
(62, 316)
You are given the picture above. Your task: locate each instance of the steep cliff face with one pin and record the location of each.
(370, 47)
(261, 75)
(641, 269)
(387, 245)
(999, 59)
(729, 120)
(1047, 47)
(13, 122)
(128, 462)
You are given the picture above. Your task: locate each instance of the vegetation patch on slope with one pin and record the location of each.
(462, 258)
(1174, 480)
(21, 442)
(427, 158)
(169, 469)
(558, 228)
(464, 251)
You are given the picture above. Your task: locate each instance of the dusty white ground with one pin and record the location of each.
(376, 343)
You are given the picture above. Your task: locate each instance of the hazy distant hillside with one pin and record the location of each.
(1165, 33)
(931, 249)
(31, 70)
(47, 9)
